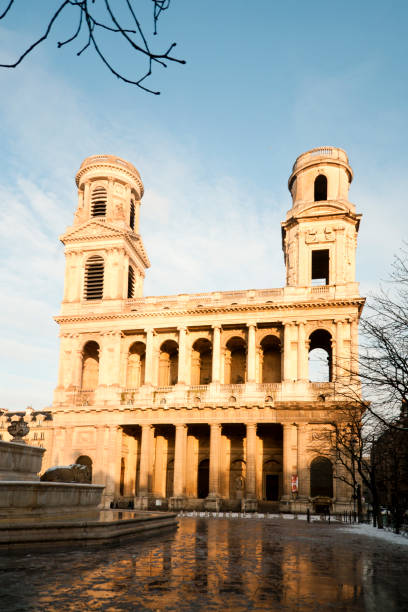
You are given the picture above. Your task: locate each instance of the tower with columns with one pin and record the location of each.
(207, 400)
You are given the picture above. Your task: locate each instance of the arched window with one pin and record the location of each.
(201, 362)
(132, 215)
(87, 461)
(320, 188)
(131, 283)
(168, 364)
(271, 359)
(94, 270)
(235, 361)
(320, 356)
(136, 366)
(321, 478)
(98, 202)
(90, 366)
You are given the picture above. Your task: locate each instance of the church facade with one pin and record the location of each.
(205, 400)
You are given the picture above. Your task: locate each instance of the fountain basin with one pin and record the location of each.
(19, 461)
(24, 499)
(110, 527)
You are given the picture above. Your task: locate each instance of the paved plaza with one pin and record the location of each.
(216, 564)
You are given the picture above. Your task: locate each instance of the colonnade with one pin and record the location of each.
(292, 459)
(293, 337)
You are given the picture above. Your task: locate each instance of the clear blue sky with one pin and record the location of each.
(264, 81)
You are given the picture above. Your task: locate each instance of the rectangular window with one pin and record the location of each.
(320, 267)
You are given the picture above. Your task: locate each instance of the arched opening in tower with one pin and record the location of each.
(320, 356)
(320, 188)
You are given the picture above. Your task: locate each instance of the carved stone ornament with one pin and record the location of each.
(18, 430)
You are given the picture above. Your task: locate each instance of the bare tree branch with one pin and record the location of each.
(87, 23)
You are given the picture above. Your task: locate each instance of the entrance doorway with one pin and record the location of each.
(203, 479)
(272, 487)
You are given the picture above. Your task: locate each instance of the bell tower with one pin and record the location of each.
(319, 235)
(105, 256)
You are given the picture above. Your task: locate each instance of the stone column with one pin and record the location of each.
(289, 460)
(216, 354)
(143, 491)
(215, 440)
(250, 504)
(113, 463)
(77, 364)
(149, 357)
(302, 465)
(251, 354)
(354, 346)
(287, 356)
(179, 487)
(302, 356)
(181, 379)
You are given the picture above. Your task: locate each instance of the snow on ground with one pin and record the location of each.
(369, 530)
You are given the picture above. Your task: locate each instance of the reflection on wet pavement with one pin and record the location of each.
(216, 564)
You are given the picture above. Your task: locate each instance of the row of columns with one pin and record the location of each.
(294, 457)
(295, 366)
(295, 360)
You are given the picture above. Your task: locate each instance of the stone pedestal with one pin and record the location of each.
(176, 503)
(142, 503)
(19, 461)
(212, 504)
(249, 505)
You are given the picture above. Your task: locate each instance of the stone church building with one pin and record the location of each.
(204, 400)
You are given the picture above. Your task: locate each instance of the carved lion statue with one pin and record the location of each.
(67, 473)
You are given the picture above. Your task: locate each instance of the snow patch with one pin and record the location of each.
(383, 534)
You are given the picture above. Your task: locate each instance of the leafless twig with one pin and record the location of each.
(88, 23)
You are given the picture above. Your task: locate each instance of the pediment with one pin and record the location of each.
(95, 229)
(90, 230)
(328, 208)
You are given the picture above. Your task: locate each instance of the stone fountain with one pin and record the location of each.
(40, 514)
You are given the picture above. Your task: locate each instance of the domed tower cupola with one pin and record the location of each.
(105, 256)
(320, 231)
(109, 188)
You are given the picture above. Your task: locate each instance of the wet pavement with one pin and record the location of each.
(216, 564)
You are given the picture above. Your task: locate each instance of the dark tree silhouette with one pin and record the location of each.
(92, 17)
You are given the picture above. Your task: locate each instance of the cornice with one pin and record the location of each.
(108, 231)
(110, 165)
(124, 316)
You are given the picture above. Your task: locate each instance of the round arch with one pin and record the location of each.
(320, 356)
(321, 477)
(87, 462)
(90, 366)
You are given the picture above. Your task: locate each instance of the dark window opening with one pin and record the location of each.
(98, 202)
(94, 278)
(131, 283)
(203, 479)
(132, 215)
(272, 487)
(320, 267)
(320, 188)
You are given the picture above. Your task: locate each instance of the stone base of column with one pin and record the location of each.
(291, 505)
(176, 503)
(142, 503)
(249, 505)
(107, 498)
(212, 503)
